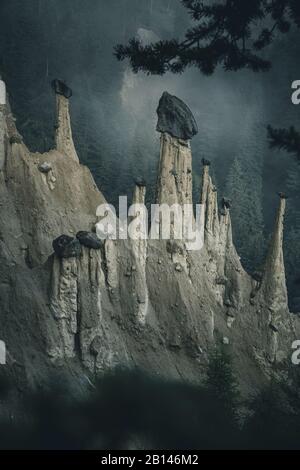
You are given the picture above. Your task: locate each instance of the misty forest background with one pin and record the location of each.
(114, 118)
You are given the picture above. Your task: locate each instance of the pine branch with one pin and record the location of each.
(225, 35)
(285, 139)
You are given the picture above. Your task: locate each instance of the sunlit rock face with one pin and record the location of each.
(2, 140)
(63, 135)
(146, 303)
(274, 282)
(175, 171)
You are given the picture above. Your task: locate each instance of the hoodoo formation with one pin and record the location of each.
(152, 304)
(63, 134)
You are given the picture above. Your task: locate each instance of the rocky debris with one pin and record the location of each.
(89, 240)
(60, 88)
(230, 320)
(178, 268)
(175, 118)
(51, 180)
(48, 175)
(45, 167)
(66, 247)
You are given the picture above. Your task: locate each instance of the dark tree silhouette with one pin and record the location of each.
(221, 381)
(228, 33)
(285, 139)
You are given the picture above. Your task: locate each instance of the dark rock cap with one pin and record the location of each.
(282, 195)
(15, 139)
(226, 203)
(139, 181)
(175, 118)
(66, 247)
(89, 240)
(45, 167)
(206, 162)
(60, 88)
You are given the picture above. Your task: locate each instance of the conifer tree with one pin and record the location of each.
(244, 187)
(229, 33)
(292, 238)
(221, 381)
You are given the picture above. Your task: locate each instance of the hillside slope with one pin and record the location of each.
(152, 304)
